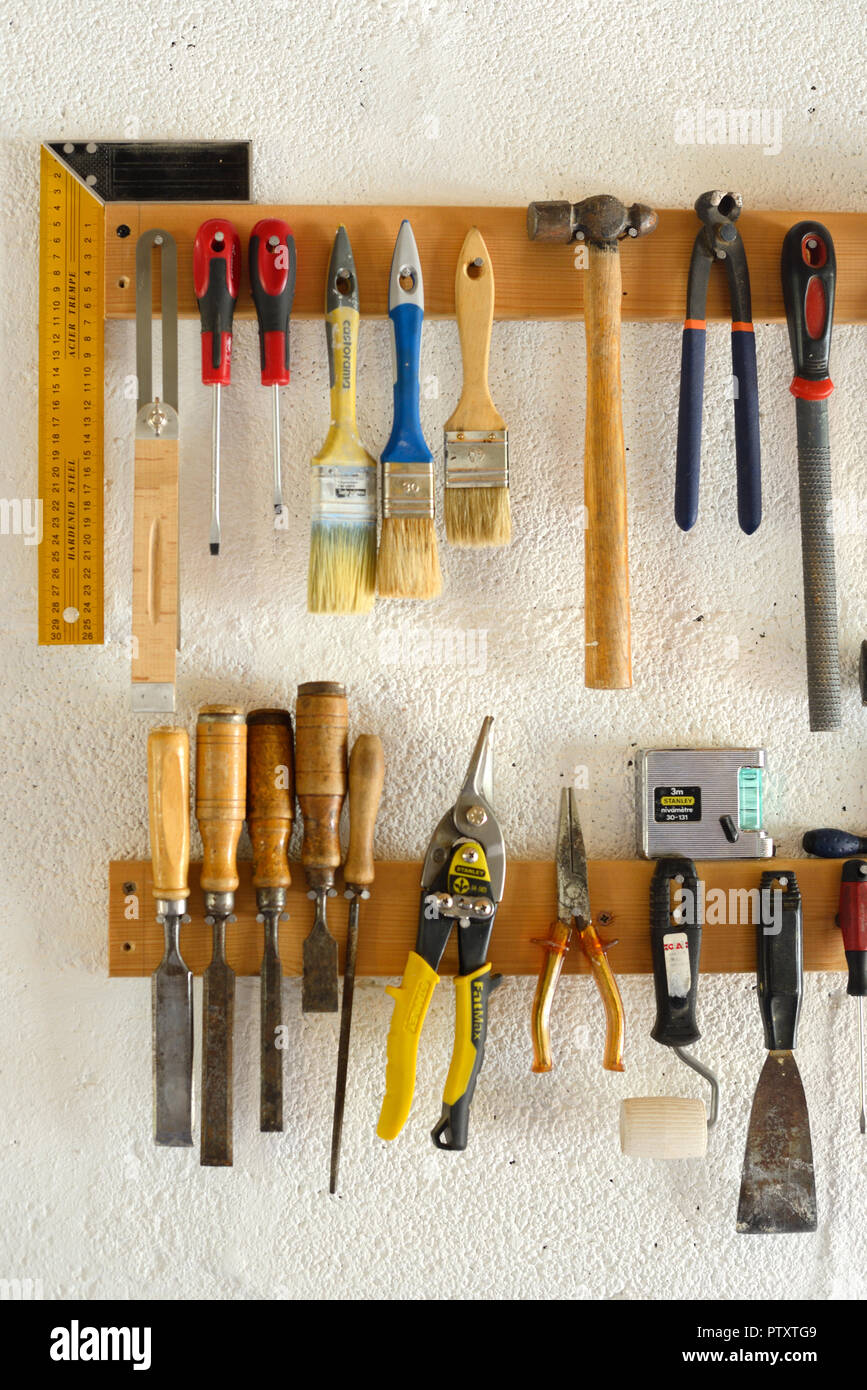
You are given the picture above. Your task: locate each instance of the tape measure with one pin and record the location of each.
(71, 311)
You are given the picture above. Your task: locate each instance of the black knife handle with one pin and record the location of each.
(675, 944)
(780, 959)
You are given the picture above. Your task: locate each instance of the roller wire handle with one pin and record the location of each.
(320, 779)
(172, 987)
(366, 775)
(221, 777)
(270, 813)
(809, 273)
(675, 947)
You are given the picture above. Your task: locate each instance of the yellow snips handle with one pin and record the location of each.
(469, 1032)
(411, 1000)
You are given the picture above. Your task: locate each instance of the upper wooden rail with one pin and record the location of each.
(534, 281)
(619, 888)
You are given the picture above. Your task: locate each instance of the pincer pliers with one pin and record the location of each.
(719, 239)
(462, 884)
(573, 914)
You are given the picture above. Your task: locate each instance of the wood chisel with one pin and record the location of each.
(270, 813)
(169, 815)
(221, 775)
(155, 599)
(320, 780)
(809, 275)
(778, 1187)
(216, 278)
(476, 439)
(366, 775)
(852, 920)
(272, 264)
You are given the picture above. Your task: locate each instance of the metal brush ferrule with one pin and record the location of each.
(407, 489)
(477, 458)
(344, 493)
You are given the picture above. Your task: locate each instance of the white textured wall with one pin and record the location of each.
(436, 102)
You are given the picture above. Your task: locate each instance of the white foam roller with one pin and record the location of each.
(663, 1127)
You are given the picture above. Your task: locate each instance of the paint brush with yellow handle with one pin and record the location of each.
(477, 509)
(342, 572)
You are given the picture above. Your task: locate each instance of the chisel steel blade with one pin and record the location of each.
(218, 1009)
(271, 1017)
(778, 1187)
(172, 994)
(319, 955)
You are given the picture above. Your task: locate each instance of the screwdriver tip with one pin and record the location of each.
(215, 547)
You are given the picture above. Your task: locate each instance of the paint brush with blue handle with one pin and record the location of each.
(408, 565)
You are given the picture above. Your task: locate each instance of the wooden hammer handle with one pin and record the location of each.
(169, 812)
(366, 775)
(270, 795)
(608, 662)
(221, 778)
(321, 719)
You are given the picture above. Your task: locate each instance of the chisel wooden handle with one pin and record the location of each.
(169, 812)
(221, 775)
(155, 562)
(270, 795)
(366, 775)
(321, 719)
(608, 660)
(474, 308)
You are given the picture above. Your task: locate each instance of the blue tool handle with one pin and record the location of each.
(833, 844)
(406, 443)
(689, 428)
(749, 459)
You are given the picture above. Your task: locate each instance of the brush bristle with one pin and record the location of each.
(409, 562)
(478, 515)
(342, 574)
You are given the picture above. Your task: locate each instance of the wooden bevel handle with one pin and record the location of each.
(169, 811)
(221, 785)
(366, 776)
(608, 661)
(270, 795)
(155, 561)
(321, 718)
(474, 308)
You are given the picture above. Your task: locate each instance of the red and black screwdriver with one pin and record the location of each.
(852, 920)
(272, 281)
(216, 276)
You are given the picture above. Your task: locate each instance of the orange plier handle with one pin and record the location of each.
(595, 950)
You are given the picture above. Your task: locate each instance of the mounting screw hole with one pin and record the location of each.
(122, 230)
(70, 615)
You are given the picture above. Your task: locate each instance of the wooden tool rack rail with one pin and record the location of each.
(619, 892)
(533, 281)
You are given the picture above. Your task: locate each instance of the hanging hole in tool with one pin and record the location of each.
(814, 250)
(90, 147)
(218, 243)
(91, 179)
(476, 268)
(70, 615)
(344, 283)
(407, 279)
(272, 243)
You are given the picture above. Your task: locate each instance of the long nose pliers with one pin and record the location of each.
(462, 883)
(719, 239)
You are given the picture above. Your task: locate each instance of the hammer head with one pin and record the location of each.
(601, 220)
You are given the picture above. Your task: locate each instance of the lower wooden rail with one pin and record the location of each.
(619, 891)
